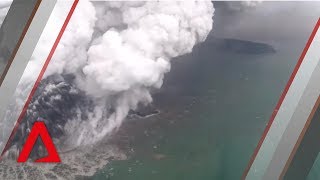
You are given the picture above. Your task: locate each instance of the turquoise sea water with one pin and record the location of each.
(214, 107)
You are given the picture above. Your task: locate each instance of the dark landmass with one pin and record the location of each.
(238, 46)
(144, 111)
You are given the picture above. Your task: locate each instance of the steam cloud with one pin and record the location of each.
(118, 53)
(130, 54)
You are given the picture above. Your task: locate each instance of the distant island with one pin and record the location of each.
(144, 111)
(227, 45)
(239, 46)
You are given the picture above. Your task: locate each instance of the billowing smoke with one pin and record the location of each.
(116, 54)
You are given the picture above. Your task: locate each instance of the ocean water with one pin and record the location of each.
(314, 173)
(214, 107)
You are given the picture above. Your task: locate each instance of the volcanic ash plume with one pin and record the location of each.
(118, 52)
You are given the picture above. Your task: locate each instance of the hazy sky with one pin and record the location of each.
(271, 22)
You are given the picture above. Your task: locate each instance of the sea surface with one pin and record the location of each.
(214, 107)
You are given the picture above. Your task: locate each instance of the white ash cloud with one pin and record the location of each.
(132, 55)
(120, 51)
